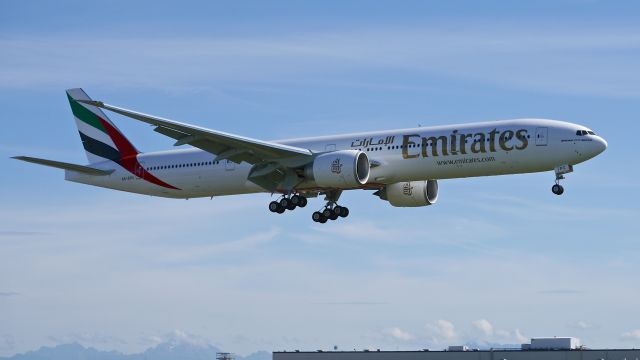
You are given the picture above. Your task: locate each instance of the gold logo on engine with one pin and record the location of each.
(336, 166)
(407, 189)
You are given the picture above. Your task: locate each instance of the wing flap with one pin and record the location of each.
(65, 166)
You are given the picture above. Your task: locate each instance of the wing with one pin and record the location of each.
(225, 146)
(274, 165)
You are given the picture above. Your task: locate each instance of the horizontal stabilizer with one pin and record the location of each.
(66, 166)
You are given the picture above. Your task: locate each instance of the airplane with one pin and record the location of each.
(401, 166)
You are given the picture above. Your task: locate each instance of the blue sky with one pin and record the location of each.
(497, 260)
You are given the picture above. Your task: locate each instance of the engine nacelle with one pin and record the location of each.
(410, 193)
(340, 169)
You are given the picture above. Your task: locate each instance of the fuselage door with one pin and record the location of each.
(230, 165)
(541, 136)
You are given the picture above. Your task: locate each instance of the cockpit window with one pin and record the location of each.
(584, 132)
(591, 132)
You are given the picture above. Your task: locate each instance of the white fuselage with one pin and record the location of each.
(466, 150)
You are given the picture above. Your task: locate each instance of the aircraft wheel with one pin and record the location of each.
(281, 209)
(344, 212)
(338, 210)
(273, 206)
(317, 216)
(303, 202)
(285, 203)
(327, 213)
(557, 189)
(296, 199)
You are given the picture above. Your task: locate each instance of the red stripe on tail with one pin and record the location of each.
(129, 156)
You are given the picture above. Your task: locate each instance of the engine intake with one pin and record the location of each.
(339, 169)
(411, 193)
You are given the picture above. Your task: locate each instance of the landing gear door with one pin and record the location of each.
(541, 136)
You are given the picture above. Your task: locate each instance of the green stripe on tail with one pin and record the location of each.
(85, 115)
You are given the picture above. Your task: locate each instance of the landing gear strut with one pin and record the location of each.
(287, 203)
(560, 171)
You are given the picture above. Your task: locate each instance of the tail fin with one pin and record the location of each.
(100, 137)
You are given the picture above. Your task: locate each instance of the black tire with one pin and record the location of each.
(291, 206)
(338, 210)
(317, 216)
(327, 213)
(285, 203)
(345, 212)
(295, 199)
(273, 206)
(323, 220)
(557, 189)
(281, 209)
(303, 202)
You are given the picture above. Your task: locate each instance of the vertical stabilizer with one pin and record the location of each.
(100, 137)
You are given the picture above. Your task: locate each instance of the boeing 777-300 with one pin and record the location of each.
(401, 167)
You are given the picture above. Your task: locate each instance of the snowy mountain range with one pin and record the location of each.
(164, 351)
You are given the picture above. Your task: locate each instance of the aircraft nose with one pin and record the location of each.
(601, 145)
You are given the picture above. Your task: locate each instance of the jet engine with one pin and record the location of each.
(340, 169)
(410, 193)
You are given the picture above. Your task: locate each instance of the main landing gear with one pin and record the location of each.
(287, 203)
(560, 171)
(331, 211)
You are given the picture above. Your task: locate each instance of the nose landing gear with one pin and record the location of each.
(560, 171)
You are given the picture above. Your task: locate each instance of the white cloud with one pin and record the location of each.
(177, 337)
(632, 335)
(501, 55)
(484, 326)
(441, 331)
(7, 342)
(519, 337)
(89, 339)
(400, 334)
(583, 324)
